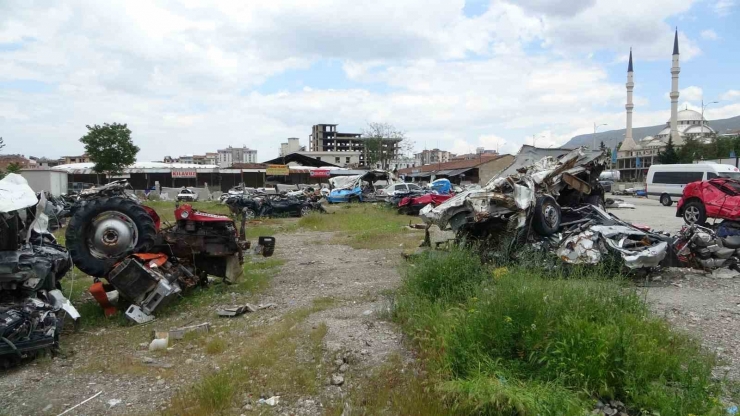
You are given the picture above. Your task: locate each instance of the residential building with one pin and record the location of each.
(211, 158)
(66, 160)
(635, 157)
(43, 162)
(231, 155)
(20, 160)
(479, 151)
(343, 159)
(427, 157)
(401, 163)
(185, 159)
(326, 138)
(293, 145)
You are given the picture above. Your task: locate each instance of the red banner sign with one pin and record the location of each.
(183, 174)
(319, 173)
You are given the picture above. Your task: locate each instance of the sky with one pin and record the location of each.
(191, 76)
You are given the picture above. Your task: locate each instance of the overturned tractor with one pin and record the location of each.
(113, 237)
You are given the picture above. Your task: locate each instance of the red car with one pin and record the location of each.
(411, 205)
(715, 198)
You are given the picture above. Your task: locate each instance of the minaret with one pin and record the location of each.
(628, 144)
(675, 69)
(629, 106)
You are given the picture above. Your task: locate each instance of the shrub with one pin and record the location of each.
(514, 340)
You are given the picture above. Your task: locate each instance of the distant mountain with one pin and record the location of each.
(612, 137)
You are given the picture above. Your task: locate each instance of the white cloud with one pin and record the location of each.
(692, 93)
(709, 34)
(183, 73)
(723, 7)
(731, 95)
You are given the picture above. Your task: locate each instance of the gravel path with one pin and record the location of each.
(353, 280)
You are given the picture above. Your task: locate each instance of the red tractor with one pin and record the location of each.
(112, 236)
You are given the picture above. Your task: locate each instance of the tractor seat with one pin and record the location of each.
(732, 241)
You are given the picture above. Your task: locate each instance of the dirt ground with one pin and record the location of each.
(349, 283)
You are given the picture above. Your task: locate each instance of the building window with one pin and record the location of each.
(347, 160)
(336, 160)
(318, 158)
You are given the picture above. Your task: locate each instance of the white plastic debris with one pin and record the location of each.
(158, 344)
(113, 402)
(272, 401)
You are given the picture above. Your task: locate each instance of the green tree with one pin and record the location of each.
(669, 155)
(13, 168)
(110, 147)
(2, 143)
(691, 150)
(382, 143)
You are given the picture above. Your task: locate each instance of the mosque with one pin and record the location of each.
(634, 158)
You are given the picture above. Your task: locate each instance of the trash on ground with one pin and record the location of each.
(272, 401)
(179, 333)
(616, 203)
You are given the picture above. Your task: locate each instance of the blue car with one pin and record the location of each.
(350, 188)
(345, 195)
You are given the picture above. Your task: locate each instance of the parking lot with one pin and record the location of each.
(650, 212)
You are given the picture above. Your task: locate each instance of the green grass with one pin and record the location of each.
(522, 341)
(365, 226)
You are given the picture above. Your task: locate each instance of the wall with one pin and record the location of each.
(488, 170)
(54, 182)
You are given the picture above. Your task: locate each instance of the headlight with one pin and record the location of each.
(184, 214)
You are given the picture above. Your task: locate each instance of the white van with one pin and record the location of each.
(668, 181)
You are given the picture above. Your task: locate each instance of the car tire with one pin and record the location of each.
(666, 200)
(694, 213)
(79, 237)
(353, 200)
(546, 218)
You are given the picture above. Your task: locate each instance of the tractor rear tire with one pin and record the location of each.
(80, 234)
(546, 217)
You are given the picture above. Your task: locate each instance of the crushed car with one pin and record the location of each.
(254, 205)
(356, 188)
(144, 263)
(32, 265)
(713, 198)
(530, 191)
(187, 195)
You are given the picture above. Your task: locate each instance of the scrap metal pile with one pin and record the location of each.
(32, 265)
(551, 199)
(253, 204)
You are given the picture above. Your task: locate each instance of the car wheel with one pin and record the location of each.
(665, 199)
(249, 214)
(305, 210)
(546, 219)
(694, 213)
(354, 199)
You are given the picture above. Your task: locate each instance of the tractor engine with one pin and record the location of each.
(209, 243)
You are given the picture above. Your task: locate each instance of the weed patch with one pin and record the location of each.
(284, 358)
(513, 340)
(365, 226)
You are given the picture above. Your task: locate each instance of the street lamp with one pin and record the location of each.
(533, 139)
(701, 126)
(594, 139)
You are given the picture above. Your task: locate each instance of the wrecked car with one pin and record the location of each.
(715, 198)
(146, 264)
(356, 188)
(261, 205)
(530, 191)
(32, 265)
(411, 205)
